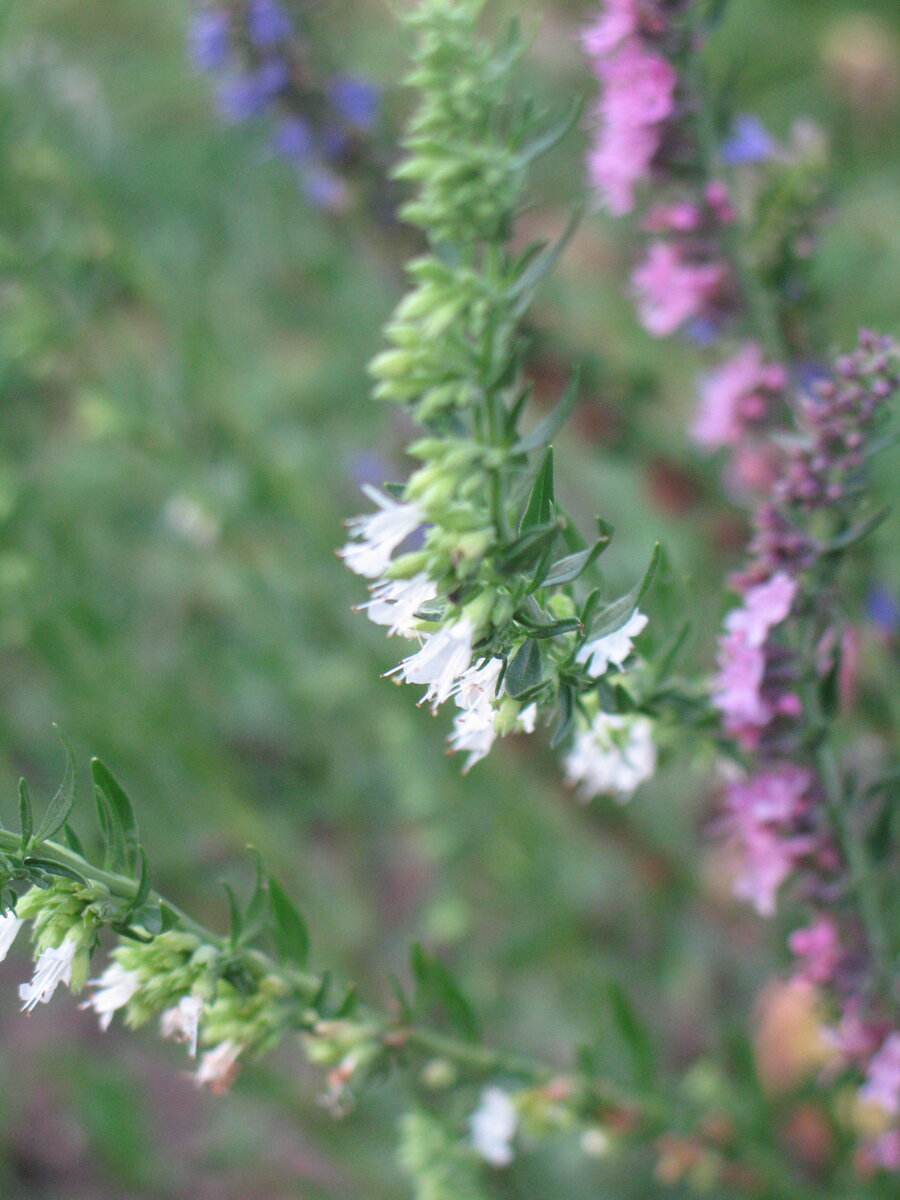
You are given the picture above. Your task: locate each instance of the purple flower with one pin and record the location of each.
(765, 606)
(883, 610)
(209, 38)
(749, 142)
(355, 99)
(267, 23)
(240, 97)
(293, 139)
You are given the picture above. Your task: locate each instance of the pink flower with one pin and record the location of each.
(638, 95)
(772, 797)
(668, 290)
(761, 813)
(882, 1086)
(735, 395)
(738, 686)
(617, 20)
(819, 949)
(767, 862)
(765, 606)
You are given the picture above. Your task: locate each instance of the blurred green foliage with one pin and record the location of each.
(183, 344)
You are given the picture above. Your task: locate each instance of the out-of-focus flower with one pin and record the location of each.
(735, 396)
(614, 755)
(748, 142)
(669, 290)
(493, 1126)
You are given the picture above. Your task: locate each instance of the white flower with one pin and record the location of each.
(493, 1126)
(9, 927)
(477, 686)
(473, 730)
(218, 1066)
(615, 755)
(395, 602)
(527, 718)
(379, 534)
(53, 967)
(115, 988)
(613, 648)
(181, 1022)
(441, 661)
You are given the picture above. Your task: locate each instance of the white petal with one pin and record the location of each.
(9, 927)
(53, 967)
(493, 1126)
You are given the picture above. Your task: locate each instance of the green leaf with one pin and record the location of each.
(150, 917)
(50, 867)
(540, 503)
(349, 1004)
(525, 670)
(289, 930)
(546, 429)
(633, 1033)
(550, 137)
(258, 905)
(527, 550)
(143, 888)
(568, 569)
(61, 804)
(615, 615)
(236, 916)
(25, 815)
(522, 289)
(566, 716)
(126, 838)
(435, 984)
(857, 532)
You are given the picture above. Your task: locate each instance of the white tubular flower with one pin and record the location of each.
(53, 967)
(445, 656)
(493, 1126)
(9, 927)
(181, 1022)
(473, 730)
(395, 603)
(615, 755)
(115, 987)
(218, 1066)
(477, 687)
(615, 647)
(379, 534)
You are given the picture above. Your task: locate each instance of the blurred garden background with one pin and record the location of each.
(184, 332)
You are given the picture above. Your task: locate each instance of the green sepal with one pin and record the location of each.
(525, 669)
(61, 805)
(289, 930)
(435, 984)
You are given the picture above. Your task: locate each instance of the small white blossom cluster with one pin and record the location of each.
(448, 667)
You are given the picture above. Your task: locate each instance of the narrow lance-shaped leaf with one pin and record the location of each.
(547, 428)
(289, 930)
(525, 670)
(540, 502)
(121, 808)
(435, 984)
(61, 805)
(633, 1032)
(616, 614)
(25, 815)
(258, 904)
